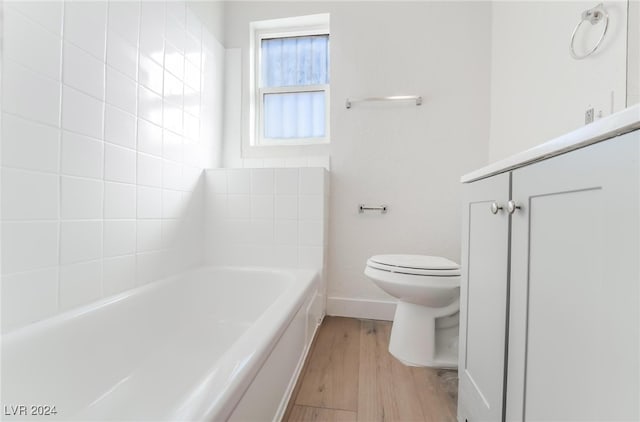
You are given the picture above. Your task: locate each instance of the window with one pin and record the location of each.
(292, 85)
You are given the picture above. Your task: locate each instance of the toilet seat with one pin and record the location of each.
(419, 265)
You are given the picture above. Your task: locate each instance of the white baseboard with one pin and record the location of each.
(361, 308)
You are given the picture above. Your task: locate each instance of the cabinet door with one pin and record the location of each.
(574, 328)
(483, 290)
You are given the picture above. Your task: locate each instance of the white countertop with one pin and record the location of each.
(600, 130)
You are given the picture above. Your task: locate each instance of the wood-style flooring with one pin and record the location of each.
(350, 376)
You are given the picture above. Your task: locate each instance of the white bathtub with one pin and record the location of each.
(212, 344)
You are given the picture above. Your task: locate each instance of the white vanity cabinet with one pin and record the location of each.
(565, 299)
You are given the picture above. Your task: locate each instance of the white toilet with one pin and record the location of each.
(425, 326)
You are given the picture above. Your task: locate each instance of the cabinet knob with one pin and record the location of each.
(495, 208)
(512, 207)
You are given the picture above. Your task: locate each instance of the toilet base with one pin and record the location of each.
(418, 340)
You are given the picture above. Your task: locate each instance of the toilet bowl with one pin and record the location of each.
(425, 326)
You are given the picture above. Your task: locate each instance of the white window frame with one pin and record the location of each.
(283, 31)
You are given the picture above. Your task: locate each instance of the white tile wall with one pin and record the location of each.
(150, 105)
(262, 182)
(238, 181)
(123, 20)
(119, 201)
(28, 94)
(149, 235)
(119, 274)
(119, 237)
(287, 207)
(239, 207)
(149, 138)
(286, 182)
(80, 283)
(149, 170)
(149, 266)
(101, 167)
(82, 113)
(119, 127)
(152, 30)
(82, 71)
(262, 207)
(29, 296)
(28, 195)
(173, 204)
(20, 137)
(81, 156)
(122, 91)
(47, 14)
(122, 55)
(81, 199)
(29, 246)
(119, 164)
(149, 202)
(85, 25)
(216, 182)
(31, 44)
(271, 217)
(151, 74)
(80, 241)
(286, 232)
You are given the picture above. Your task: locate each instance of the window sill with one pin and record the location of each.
(286, 150)
(292, 143)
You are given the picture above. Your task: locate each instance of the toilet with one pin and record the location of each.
(425, 326)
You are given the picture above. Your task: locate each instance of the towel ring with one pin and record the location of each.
(593, 16)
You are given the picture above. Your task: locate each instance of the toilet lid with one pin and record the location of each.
(415, 264)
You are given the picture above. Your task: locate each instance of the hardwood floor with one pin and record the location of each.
(350, 376)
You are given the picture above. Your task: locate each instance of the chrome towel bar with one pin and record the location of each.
(382, 208)
(416, 98)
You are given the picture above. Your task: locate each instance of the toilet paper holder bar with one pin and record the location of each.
(382, 208)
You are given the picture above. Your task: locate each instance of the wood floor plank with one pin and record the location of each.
(331, 380)
(438, 396)
(387, 391)
(369, 407)
(350, 375)
(318, 414)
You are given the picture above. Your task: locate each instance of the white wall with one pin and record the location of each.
(406, 156)
(538, 91)
(106, 123)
